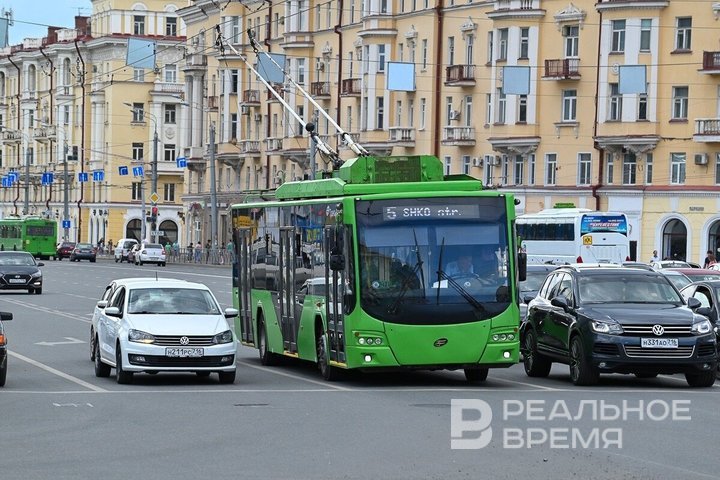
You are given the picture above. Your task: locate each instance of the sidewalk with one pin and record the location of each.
(215, 257)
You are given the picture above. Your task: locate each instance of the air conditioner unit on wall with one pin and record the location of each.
(244, 110)
(477, 162)
(258, 117)
(320, 66)
(454, 114)
(701, 159)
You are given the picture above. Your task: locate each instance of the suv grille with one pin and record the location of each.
(639, 352)
(706, 349)
(174, 341)
(606, 348)
(670, 330)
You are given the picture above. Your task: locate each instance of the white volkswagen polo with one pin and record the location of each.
(164, 326)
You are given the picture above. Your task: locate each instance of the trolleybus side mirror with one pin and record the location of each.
(522, 266)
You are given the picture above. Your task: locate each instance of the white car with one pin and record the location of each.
(149, 253)
(102, 303)
(164, 326)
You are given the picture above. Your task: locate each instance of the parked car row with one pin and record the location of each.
(131, 251)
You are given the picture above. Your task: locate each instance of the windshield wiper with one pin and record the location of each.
(408, 278)
(463, 293)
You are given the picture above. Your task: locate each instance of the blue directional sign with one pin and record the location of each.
(123, 170)
(14, 177)
(82, 177)
(138, 171)
(47, 178)
(181, 162)
(98, 176)
(6, 181)
(66, 224)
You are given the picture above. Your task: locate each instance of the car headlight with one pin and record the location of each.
(36, 275)
(611, 328)
(224, 337)
(138, 336)
(701, 327)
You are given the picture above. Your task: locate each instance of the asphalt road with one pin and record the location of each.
(58, 421)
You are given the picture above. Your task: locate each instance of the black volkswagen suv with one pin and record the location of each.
(610, 319)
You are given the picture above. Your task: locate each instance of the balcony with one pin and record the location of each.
(320, 89)
(278, 88)
(195, 61)
(251, 98)
(168, 88)
(460, 75)
(711, 63)
(562, 69)
(11, 137)
(213, 102)
(402, 136)
(249, 148)
(351, 87)
(44, 134)
(273, 144)
(354, 136)
(506, 9)
(458, 136)
(634, 5)
(707, 130)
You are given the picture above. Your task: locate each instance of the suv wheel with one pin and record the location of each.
(700, 380)
(536, 364)
(581, 371)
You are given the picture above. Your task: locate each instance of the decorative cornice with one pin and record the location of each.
(570, 14)
(632, 5)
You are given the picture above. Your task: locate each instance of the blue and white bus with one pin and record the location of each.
(574, 235)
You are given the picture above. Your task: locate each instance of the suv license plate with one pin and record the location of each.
(659, 342)
(184, 352)
(17, 280)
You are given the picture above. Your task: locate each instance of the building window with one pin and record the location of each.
(447, 164)
(234, 125)
(618, 36)
(489, 170)
(137, 152)
(629, 175)
(171, 26)
(488, 109)
(683, 34)
(572, 41)
(466, 164)
(381, 58)
(170, 73)
(66, 114)
(519, 172)
(522, 108)
(677, 168)
(469, 49)
(138, 112)
(380, 120)
(642, 106)
(610, 172)
(424, 54)
(301, 71)
(170, 114)
(136, 191)
(423, 111)
(169, 192)
(138, 74)
(502, 100)
(550, 168)
(502, 44)
(531, 169)
(169, 152)
(584, 168)
(451, 50)
(680, 103)
(505, 170)
(524, 42)
(569, 106)
(138, 25)
(645, 34)
(490, 46)
(615, 113)
(648, 168)
(234, 80)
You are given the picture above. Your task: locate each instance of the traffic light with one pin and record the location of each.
(154, 211)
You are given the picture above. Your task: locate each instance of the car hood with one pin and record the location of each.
(178, 324)
(18, 269)
(650, 314)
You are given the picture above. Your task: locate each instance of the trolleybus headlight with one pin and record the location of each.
(496, 337)
(368, 358)
(378, 341)
(510, 336)
(361, 340)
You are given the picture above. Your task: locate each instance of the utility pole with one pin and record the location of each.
(143, 220)
(313, 149)
(213, 190)
(66, 193)
(154, 210)
(27, 180)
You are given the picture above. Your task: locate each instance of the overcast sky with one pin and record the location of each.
(59, 13)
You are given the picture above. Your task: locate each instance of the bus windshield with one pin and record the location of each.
(433, 260)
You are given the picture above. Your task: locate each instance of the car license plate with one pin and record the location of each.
(153, 258)
(17, 280)
(184, 352)
(659, 342)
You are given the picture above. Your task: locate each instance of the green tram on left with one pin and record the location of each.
(30, 234)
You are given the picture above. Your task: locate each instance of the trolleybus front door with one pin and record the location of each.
(335, 285)
(244, 283)
(286, 289)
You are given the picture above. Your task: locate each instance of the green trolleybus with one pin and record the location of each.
(388, 264)
(30, 234)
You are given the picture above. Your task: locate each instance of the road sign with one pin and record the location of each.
(138, 171)
(157, 233)
(14, 176)
(98, 176)
(587, 240)
(82, 177)
(47, 178)
(66, 224)
(154, 197)
(123, 170)
(181, 162)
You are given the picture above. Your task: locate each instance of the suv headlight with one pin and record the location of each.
(701, 327)
(224, 337)
(611, 328)
(138, 336)
(36, 275)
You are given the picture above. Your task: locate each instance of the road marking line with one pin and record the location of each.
(47, 310)
(285, 374)
(525, 384)
(664, 465)
(64, 375)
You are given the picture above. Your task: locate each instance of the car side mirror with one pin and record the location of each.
(561, 302)
(41, 264)
(6, 316)
(113, 312)
(102, 304)
(231, 312)
(528, 298)
(693, 303)
(707, 311)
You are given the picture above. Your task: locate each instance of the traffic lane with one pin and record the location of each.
(324, 434)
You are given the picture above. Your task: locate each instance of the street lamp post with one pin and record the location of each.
(213, 189)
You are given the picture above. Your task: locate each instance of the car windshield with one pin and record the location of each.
(533, 281)
(17, 259)
(168, 300)
(627, 289)
(153, 245)
(433, 260)
(679, 280)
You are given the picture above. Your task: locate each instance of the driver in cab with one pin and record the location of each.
(464, 266)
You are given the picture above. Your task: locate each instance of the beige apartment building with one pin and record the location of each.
(70, 103)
